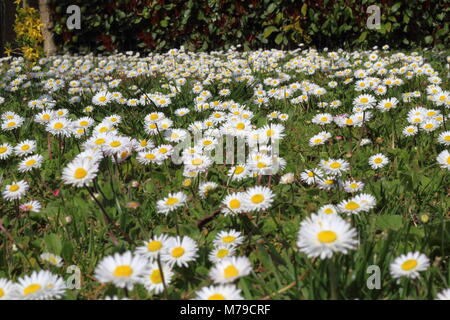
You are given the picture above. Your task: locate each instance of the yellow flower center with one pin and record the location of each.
(216, 296)
(2, 293)
(150, 156)
(29, 163)
(172, 201)
(102, 99)
(335, 165)
(327, 236)
(84, 123)
(153, 246)
(231, 272)
(58, 126)
(46, 117)
(364, 100)
(221, 253)
(235, 204)
(328, 211)
(257, 198)
(239, 170)
(378, 160)
(270, 132)
(11, 124)
(261, 165)
(240, 126)
(25, 147)
(123, 271)
(409, 264)
(155, 276)
(32, 288)
(3, 149)
(80, 173)
(197, 162)
(14, 188)
(228, 239)
(163, 150)
(177, 252)
(100, 141)
(207, 142)
(352, 205)
(115, 144)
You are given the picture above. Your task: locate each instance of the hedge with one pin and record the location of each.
(157, 25)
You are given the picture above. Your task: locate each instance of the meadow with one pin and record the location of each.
(112, 187)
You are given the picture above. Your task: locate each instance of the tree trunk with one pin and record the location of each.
(49, 44)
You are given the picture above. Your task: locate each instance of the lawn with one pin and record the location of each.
(226, 175)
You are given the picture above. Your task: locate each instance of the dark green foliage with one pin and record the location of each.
(148, 25)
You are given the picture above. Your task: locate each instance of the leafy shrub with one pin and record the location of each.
(149, 25)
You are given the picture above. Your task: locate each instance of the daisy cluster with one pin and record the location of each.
(152, 129)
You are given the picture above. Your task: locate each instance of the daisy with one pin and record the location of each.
(7, 289)
(409, 265)
(221, 252)
(123, 270)
(15, 190)
(311, 176)
(444, 138)
(220, 292)
(231, 237)
(334, 167)
(42, 285)
(410, 131)
(323, 235)
(59, 126)
(180, 251)
(205, 188)
(101, 98)
(154, 280)
(5, 151)
(351, 186)
(25, 147)
(30, 163)
(378, 161)
(238, 172)
(12, 124)
(443, 295)
(387, 104)
(153, 247)
(148, 157)
(258, 198)
(31, 206)
(444, 159)
(327, 209)
(172, 202)
(80, 172)
(52, 259)
(230, 269)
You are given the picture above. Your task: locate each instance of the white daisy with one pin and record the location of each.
(323, 235)
(123, 270)
(409, 265)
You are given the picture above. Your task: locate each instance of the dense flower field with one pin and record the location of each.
(226, 175)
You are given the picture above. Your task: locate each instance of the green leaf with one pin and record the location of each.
(393, 222)
(304, 9)
(268, 31)
(279, 38)
(396, 6)
(53, 243)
